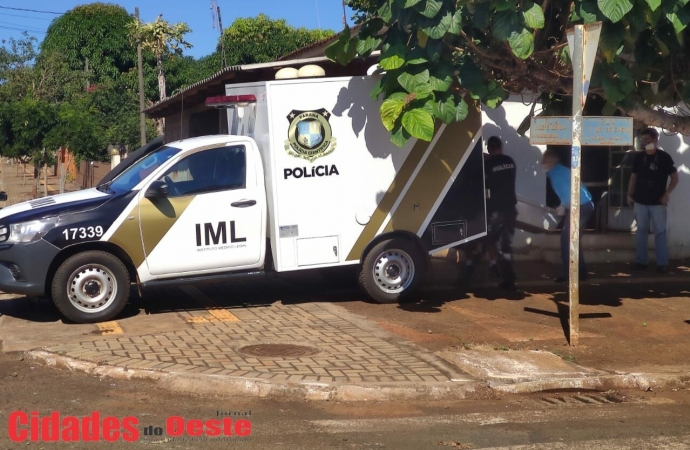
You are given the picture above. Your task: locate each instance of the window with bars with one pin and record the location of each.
(620, 170)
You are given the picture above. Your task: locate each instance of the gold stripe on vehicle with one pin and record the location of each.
(159, 217)
(128, 237)
(386, 204)
(427, 186)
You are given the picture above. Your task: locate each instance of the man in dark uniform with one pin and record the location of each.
(501, 212)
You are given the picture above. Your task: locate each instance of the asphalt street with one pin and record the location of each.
(628, 420)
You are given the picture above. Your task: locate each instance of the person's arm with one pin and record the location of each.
(631, 189)
(671, 187)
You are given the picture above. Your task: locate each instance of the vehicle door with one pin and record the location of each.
(211, 219)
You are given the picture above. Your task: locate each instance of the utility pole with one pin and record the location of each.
(216, 21)
(344, 15)
(142, 99)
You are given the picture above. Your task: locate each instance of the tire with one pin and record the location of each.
(91, 271)
(392, 271)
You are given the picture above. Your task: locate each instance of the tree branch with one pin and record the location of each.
(660, 118)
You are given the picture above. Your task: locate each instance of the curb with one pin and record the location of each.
(227, 386)
(637, 381)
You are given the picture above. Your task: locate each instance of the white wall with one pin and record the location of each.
(678, 226)
(531, 179)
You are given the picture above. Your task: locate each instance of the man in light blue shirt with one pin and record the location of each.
(559, 176)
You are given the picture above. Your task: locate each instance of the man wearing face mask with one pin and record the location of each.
(649, 194)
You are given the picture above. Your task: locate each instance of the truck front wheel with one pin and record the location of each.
(392, 271)
(91, 287)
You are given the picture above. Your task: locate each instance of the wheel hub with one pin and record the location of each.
(394, 271)
(92, 288)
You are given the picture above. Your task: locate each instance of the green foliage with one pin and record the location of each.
(97, 32)
(260, 39)
(164, 40)
(436, 55)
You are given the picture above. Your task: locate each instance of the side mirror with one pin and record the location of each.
(3, 196)
(157, 189)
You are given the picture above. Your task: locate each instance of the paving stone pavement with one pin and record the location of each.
(347, 352)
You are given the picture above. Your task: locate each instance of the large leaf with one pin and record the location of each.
(343, 50)
(444, 107)
(430, 8)
(611, 40)
(411, 3)
(400, 136)
(391, 108)
(654, 4)
(504, 5)
(615, 10)
(419, 123)
(505, 24)
(481, 16)
(456, 23)
(386, 10)
(679, 21)
(461, 110)
(522, 43)
(611, 90)
(416, 81)
(393, 58)
(533, 16)
(436, 28)
(368, 45)
(441, 77)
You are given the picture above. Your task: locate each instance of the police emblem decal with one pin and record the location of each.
(309, 135)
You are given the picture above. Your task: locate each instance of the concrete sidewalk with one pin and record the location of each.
(297, 338)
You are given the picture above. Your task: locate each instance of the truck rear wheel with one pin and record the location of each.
(392, 271)
(91, 287)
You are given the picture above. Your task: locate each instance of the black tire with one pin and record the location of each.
(404, 257)
(91, 270)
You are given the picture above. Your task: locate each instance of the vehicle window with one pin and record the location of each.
(217, 169)
(141, 169)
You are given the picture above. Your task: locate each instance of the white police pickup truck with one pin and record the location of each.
(308, 180)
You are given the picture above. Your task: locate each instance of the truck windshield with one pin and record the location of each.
(141, 169)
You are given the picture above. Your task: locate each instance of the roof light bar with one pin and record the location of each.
(224, 101)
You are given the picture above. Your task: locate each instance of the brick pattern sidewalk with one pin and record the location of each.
(348, 353)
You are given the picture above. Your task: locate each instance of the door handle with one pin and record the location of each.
(243, 204)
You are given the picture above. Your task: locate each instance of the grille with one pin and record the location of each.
(16, 271)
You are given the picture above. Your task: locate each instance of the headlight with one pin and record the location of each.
(27, 232)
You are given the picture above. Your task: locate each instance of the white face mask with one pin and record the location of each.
(650, 146)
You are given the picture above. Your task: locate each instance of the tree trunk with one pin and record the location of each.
(45, 179)
(160, 123)
(161, 78)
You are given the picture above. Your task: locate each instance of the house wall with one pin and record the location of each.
(531, 179)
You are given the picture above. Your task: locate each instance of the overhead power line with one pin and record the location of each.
(31, 10)
(24, 17)
(33, 29)
(21, 29)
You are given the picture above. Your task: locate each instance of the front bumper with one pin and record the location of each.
(24, 267)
